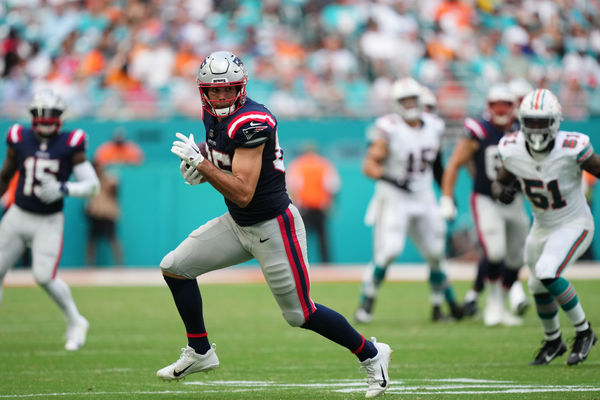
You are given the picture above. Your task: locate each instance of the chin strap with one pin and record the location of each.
(87, 184)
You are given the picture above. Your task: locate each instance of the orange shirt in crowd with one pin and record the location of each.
(119, 153)
(313, 181)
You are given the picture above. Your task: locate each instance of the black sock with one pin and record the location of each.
(494, 271)
(335, 327)
(482, 268)
(189, 304)
(509, 276)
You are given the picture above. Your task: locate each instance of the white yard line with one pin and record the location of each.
(457, 271)
(454, 386)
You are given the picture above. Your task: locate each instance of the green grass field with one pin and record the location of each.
(136, 330)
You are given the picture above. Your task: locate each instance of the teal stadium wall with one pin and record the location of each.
(159, 210)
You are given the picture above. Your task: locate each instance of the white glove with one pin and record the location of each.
(51, 191)
(190, 174)
(447, 208)
(187, 150)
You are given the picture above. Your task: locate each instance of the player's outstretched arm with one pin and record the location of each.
(463, 152)
(87, 183)
(592, 165)
(505, 186)
(9, 167)
(373, 163)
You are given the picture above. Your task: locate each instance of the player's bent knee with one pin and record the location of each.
(167, 262)
(294, 318)
(42, 279)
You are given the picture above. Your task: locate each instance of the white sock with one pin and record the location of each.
(61, 294)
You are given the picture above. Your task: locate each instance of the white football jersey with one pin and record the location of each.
(412, 151)
(551, 183)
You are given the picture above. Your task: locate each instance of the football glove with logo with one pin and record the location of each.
(191, 175)
(187, 149)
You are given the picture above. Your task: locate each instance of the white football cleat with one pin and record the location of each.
(76, 334)
(376, 369)
(494, 307)
(509, 319)
(517, 299)
(362, 316)
(188, 363)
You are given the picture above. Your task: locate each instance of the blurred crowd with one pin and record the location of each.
(123, 59)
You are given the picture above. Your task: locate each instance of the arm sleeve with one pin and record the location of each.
(86, 184)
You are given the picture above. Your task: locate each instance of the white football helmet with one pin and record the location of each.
(46, 108)
(540, 115)
(222, 69)
(500, 92)
(403, 90)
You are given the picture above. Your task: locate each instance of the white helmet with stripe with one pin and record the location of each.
(46, 109)
(540, 115)
(406, 97)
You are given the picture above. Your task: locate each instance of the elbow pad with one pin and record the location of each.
(87, 183)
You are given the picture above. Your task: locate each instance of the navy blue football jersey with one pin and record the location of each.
(39, 161)
(486, 159)
(250, 126)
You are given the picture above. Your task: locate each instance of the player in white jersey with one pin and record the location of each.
(403, 153)
(548, 164)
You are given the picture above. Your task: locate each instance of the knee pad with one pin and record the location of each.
(294, 318)
(42, 279)
(167, 262)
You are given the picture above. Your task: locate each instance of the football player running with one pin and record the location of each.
(244, 162)
(45, 157)
(403, 157)
(501, 228)
(548, 164)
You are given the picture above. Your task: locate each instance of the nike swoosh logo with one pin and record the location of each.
(263, 240)
(384, 383)
(252, 123)
(177, 373)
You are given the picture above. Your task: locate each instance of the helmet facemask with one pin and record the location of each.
(501, 105)
(222, 69)
(46, 110)
(410, 108)
(540, 115)
(222, 107)
(406, 95)
(539, 132)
